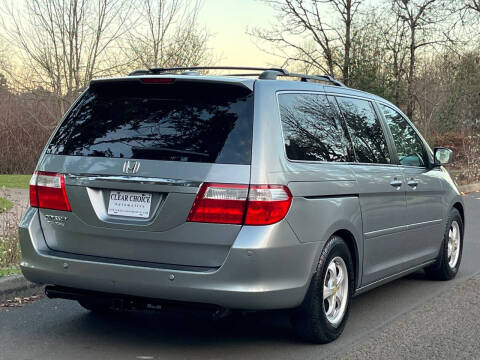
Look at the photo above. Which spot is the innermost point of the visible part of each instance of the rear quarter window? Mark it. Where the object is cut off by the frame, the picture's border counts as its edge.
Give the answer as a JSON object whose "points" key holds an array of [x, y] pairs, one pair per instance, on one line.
{"points": [[183, 121], [310, 129]]}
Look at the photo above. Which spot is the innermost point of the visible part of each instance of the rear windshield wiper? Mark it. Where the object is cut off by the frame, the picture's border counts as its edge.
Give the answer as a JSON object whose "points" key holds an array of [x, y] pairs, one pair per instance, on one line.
{"points": [[157, 148]]}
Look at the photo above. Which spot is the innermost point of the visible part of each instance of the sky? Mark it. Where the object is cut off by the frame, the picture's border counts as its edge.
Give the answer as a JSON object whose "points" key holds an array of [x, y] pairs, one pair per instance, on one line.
{"points": [[227, 21]]}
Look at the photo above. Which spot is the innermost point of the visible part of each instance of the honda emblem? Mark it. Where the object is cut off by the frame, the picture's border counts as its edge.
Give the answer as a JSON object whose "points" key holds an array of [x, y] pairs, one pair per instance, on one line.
{"points": [[131, 167]]}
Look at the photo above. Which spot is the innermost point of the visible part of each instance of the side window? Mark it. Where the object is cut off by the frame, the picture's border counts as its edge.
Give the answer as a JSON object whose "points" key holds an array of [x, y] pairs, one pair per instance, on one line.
{"points": [[365, 130], [410, 148], [310, 129]]}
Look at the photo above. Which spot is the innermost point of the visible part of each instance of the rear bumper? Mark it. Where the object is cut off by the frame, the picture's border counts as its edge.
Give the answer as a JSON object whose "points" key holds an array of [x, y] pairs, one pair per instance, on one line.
{"points": [[266, 268]]}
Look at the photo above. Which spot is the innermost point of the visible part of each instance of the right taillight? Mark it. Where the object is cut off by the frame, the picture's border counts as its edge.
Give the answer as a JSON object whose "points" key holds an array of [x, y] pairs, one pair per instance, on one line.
{"points": [[47, 191], [240, 204], [267, 204], [220, 203]]}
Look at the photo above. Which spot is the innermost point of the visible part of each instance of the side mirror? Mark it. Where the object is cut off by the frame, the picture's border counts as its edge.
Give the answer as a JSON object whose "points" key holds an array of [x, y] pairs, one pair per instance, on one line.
{"points": [[443, 156]]}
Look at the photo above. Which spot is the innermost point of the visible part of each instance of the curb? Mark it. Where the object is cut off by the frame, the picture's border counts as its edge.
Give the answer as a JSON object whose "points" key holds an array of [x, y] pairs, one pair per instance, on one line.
{"points": [[469, 188], [17, 286]]}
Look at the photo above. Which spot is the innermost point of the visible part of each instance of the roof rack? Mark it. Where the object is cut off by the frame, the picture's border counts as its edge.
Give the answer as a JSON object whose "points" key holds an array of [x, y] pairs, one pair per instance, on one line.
{"points": [[265, 73], [326, 78], [194, 68]]}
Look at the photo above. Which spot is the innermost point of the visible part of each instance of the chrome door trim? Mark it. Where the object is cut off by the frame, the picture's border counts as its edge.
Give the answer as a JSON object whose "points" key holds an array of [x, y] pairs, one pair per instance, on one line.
{"points": [[424, 223], [391, 230]]}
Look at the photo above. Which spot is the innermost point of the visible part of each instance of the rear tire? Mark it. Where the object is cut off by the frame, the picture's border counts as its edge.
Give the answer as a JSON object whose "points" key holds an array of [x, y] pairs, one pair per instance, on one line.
{"points": [[450, 256], [324, 312]]}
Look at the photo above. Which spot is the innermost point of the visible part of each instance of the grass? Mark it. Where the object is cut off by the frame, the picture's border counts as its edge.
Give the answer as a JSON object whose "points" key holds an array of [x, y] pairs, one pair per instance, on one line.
{"points": [[10, 270], [9, 245], [15, 181], [5, 205]]}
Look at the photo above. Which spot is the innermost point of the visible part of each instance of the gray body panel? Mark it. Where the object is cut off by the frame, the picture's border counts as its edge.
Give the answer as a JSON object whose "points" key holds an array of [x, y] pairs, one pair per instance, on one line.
{"points": [[262, 270], [391, 229], [425, 211], [164, 237], [383, 210]]}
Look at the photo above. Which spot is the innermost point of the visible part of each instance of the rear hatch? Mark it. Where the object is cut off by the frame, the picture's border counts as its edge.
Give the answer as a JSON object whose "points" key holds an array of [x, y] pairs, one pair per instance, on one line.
{"points": [[133, 153]]}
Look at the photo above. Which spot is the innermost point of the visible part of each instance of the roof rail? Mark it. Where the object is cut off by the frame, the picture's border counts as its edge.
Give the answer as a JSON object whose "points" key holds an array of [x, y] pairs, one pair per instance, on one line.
{"points": [[266, 73], [195, 68], [306, 78], [271, 74]]}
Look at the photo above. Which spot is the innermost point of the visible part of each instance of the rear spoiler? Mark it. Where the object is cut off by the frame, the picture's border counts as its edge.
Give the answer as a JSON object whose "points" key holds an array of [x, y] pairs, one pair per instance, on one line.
{"points": [[247, 83]]}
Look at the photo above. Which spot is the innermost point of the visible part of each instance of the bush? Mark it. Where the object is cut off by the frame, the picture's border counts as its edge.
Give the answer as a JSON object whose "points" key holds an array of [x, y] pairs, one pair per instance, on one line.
{"points": [[26, 122], [466, 147]]}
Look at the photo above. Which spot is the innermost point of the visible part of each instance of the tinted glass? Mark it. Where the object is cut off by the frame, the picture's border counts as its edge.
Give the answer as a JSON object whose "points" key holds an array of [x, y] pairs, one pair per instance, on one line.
{"points": [[310, 129], [365, 130], [410, 149], [185, 121]]}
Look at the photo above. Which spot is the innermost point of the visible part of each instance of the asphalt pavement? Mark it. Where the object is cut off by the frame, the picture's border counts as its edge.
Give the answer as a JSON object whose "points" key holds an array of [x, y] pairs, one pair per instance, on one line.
{"points": [[410, 318]]}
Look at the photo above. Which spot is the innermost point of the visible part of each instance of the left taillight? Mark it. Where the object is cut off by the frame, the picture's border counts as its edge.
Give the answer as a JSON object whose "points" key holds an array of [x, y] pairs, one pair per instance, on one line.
{"points": [[47, 191]]}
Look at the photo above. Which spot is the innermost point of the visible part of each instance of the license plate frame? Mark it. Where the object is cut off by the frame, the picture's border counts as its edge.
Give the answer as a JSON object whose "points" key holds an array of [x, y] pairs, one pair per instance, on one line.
{"points": [[130, 204]]}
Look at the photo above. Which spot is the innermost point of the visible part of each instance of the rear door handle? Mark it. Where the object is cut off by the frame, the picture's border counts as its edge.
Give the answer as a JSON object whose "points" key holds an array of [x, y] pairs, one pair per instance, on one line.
{"points": [[412, 183], [396, 183]]}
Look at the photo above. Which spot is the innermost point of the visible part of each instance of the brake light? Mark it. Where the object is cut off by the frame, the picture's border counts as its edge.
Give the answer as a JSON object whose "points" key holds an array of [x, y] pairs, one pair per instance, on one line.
{"points": [[267, 204], [47, 191], [157, 80], [240, 204], [219, 203]]}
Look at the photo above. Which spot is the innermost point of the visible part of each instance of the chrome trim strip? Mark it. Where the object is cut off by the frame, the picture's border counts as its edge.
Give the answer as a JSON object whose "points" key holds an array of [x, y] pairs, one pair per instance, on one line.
{"points": [[392, 230], [396, 229], [423, 224], [85, 180]]}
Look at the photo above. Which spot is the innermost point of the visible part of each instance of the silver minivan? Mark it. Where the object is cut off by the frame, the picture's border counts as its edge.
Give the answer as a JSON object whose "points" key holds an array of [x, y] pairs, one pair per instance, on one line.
{"points": [[171, 188]]}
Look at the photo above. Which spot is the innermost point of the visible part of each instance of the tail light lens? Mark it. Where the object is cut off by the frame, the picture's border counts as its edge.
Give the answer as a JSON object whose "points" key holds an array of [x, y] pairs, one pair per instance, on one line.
{"points": [[220, 203], [240, 204], [47, 191], [267, 204]]}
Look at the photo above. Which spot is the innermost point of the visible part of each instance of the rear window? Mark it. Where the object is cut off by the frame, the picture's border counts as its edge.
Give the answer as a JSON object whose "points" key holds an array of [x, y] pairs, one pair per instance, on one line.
{"points": [[181, 121]]}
